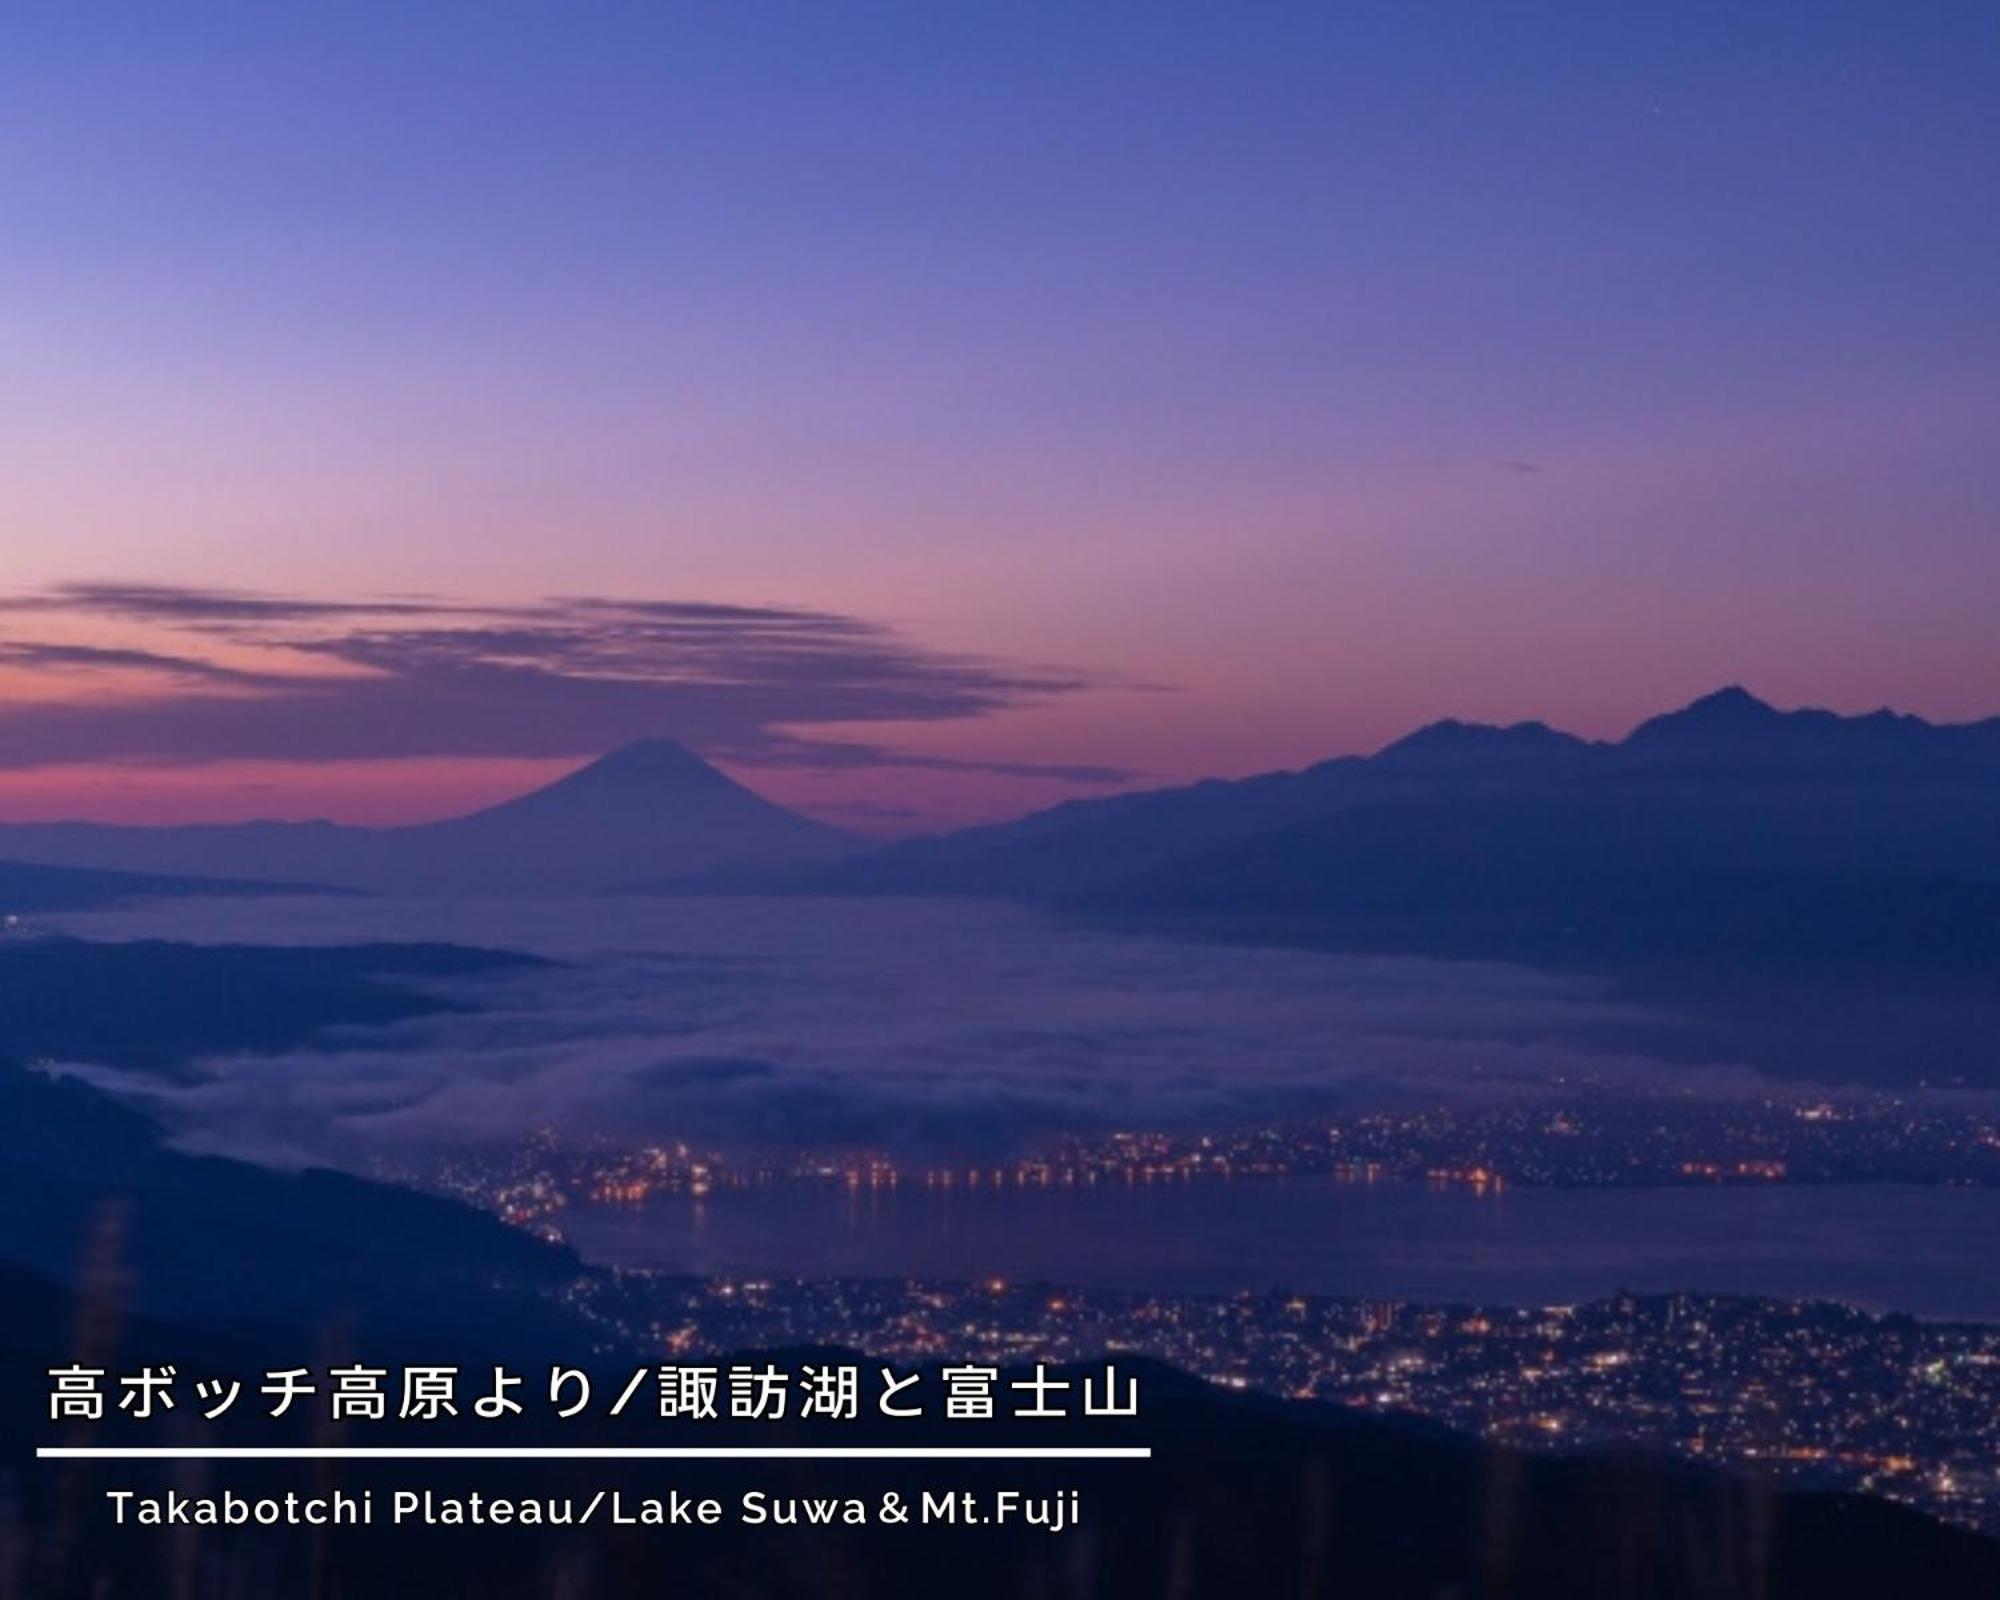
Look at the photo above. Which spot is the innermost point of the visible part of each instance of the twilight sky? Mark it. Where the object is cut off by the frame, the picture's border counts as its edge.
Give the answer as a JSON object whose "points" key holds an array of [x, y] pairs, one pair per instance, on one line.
{"points": [[933, 410]]}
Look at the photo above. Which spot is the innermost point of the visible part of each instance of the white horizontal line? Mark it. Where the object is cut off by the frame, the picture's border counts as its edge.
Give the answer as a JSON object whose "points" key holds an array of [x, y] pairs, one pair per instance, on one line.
{"points": [[664, 1452]]}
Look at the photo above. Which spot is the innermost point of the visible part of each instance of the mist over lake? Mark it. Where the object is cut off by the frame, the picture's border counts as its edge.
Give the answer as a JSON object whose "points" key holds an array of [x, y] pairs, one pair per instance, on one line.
{"points": [[764, 1022]]}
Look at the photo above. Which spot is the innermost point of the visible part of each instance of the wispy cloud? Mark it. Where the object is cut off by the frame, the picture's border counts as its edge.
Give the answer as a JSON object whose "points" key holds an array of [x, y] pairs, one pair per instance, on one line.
{"points": [[211, 674], [44, 657]]}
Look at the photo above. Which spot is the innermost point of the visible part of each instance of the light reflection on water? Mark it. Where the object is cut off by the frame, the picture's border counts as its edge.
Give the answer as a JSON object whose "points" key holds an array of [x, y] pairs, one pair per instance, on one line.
{"points": [[1887, 1246]]}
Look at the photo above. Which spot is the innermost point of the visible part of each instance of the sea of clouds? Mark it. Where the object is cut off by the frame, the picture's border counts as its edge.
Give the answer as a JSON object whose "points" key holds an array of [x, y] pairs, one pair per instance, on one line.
{"points": [[746, 1023]]}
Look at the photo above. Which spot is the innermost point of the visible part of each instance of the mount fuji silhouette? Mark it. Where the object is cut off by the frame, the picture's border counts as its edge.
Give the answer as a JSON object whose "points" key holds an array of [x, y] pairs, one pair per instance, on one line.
{"points": [[649, 813]]}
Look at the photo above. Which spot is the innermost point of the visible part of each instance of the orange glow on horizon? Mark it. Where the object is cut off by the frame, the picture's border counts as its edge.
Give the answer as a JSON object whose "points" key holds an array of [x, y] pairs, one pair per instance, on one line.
{"points": [[365, 792]]}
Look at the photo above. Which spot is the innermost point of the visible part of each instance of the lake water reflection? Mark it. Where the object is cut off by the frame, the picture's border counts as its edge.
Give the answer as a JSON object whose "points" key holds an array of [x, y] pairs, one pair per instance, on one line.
{"points": [[1925, 1250]]}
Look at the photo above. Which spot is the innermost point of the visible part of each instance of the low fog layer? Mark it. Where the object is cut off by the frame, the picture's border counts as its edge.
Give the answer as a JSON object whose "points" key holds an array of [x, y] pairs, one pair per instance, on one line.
{"points": [[747, 1023]]}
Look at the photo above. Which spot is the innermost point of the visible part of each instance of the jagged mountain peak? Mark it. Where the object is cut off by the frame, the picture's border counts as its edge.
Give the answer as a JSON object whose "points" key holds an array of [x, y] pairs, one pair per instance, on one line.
{"points": [[1730, 712], [1731, 700], [1734, 724], [1453, 743]]}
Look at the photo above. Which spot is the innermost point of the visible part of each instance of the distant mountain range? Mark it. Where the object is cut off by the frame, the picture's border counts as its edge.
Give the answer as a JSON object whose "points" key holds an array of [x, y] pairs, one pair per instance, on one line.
{"points": [[646, 814], [28, 889], [1820, 892], [1727, 773], [1814, 893], [1728, 781]]}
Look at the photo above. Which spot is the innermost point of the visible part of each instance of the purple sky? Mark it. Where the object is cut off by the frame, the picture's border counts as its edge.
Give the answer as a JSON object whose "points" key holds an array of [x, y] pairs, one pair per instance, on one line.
{"points": [[954, 409]]}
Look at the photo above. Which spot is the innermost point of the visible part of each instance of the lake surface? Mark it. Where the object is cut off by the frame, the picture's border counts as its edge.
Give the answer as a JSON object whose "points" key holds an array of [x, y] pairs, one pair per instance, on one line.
{"points": [[1929, 1251]]}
